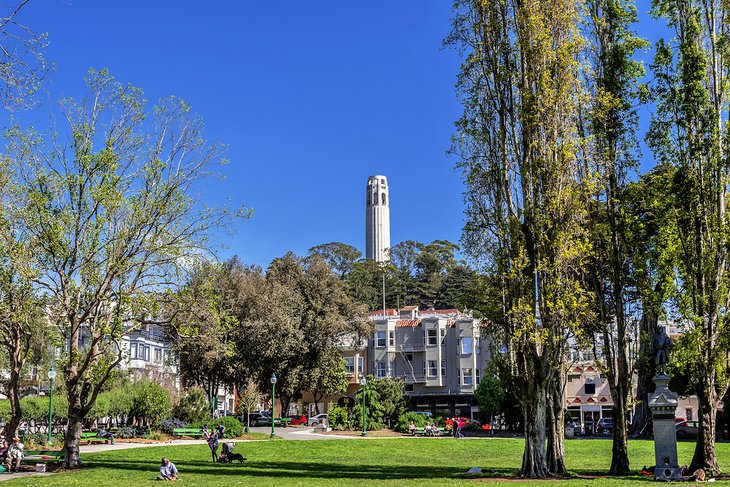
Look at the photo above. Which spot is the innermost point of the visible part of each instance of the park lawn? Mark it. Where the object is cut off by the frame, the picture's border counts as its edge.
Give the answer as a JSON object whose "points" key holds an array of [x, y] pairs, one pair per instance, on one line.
{"points": [[397, 461]]}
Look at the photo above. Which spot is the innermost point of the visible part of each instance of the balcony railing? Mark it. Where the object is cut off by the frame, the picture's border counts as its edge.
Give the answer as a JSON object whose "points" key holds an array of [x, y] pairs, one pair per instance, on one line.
{"points": [[413, 346], [409, 378]]}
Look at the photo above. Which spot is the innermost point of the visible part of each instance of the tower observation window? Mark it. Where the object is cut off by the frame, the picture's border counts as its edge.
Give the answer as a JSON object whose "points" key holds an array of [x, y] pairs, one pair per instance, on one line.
{"points": [[383, 195]]}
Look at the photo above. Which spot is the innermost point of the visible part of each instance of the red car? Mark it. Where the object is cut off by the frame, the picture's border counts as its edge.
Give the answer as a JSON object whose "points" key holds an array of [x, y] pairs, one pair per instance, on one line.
{"points": [[297, 420]]}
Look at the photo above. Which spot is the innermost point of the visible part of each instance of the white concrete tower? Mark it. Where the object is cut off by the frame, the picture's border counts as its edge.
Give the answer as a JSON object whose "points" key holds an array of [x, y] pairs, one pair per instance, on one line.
{"points": [[377, 219]]}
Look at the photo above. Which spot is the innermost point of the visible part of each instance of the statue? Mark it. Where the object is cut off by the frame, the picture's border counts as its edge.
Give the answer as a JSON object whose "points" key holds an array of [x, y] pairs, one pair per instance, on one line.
{"points": [[660, 346]]}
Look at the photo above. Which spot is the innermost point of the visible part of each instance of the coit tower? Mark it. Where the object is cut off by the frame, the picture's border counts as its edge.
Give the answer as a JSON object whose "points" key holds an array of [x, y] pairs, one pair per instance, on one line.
{"points": [[377, 219]]}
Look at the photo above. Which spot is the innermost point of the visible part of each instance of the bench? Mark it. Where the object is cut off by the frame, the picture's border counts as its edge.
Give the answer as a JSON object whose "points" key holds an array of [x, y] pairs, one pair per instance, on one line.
{"points": [[42, 456], [422, 431], [92, 437], [194, 432]]}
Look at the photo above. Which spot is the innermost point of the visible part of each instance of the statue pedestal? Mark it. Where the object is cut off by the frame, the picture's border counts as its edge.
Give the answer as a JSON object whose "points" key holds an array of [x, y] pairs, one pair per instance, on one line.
{"points": [[663, 404]]}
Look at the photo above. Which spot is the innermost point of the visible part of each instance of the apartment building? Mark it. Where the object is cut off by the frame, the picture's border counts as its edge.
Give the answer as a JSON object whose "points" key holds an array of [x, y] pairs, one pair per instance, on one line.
{"points": [[440, 355], [149, 355]]}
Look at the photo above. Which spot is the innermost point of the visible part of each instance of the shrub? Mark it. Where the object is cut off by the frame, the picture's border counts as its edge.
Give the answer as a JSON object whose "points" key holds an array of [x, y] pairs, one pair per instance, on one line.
{"points": [[339, 418], [234, 428], [193, 407], [127, 432], [156, 435], [405, 419], [168, 425]]}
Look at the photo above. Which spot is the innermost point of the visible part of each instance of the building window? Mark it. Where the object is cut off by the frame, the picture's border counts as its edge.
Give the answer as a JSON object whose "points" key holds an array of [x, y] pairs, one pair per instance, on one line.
{"points": [[479, 347], [479, 375], [391, 339], [375, 198], [466, 345], [158, 355], [468, 378], [432, 369], [383, 201], [133, 351], [391, 369], [458, 377], [146, 354], [380, 339], [360, 365], [350, 365], [432, 337], [409, 357], [443, 337], [368, 197], [443, 368], [590, 388], [380, 369]]}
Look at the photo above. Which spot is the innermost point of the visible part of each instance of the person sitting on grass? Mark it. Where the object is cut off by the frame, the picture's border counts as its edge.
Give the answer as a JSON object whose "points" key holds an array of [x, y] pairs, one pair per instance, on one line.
{"points": [[168, 471], [15, 454]]}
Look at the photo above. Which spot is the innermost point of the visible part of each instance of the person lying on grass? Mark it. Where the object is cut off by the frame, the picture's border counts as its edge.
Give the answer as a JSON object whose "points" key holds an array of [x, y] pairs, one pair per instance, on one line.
{"points": [[168, 471]]}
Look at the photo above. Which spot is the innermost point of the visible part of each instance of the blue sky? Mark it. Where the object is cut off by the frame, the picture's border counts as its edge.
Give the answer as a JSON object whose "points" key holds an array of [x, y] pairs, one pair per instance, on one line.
{"points": [[311, 97]]}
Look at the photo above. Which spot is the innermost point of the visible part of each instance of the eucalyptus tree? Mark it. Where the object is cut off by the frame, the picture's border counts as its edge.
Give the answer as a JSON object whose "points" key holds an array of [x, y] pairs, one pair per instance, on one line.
{"points": [[516, 145], [689, 131], [110, 211], [614, 83]]}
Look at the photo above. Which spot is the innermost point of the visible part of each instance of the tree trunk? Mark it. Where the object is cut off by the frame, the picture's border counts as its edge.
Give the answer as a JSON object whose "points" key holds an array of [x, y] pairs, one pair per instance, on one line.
{"points": [[620, 451], [534, 458], [11, 428], [73, 437], [704, 455], [556, 426]]}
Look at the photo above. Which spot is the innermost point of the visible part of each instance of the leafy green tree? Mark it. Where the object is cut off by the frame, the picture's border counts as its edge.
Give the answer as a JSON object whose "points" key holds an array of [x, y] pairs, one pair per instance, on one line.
{"points": [[613, 121], [108, 214], [339, 256], [517, 145], [150, 402], [490, 396], [192, 407], [391, 396], [249, 397], [689, 131]]}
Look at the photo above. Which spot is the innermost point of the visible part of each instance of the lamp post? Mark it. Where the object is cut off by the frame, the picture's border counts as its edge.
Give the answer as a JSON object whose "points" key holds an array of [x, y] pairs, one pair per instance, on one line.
{"points": [[273, 397], [363, 383], [51, 376]]}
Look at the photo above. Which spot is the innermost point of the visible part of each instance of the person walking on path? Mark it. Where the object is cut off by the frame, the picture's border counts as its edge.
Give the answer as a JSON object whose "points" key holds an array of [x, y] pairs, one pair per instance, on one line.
{"points": [[459, 425]]}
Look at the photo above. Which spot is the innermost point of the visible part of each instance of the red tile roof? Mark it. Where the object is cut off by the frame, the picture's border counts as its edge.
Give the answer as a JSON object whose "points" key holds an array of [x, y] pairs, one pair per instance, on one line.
{"points": [[388, 312]]}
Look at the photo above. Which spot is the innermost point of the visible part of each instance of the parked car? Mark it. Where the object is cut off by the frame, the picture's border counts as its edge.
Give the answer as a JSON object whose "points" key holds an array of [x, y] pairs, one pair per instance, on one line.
{"points": [[605, 426], [423, 413], [257, 419], [686, 429], [315, 420], [297, 420]]}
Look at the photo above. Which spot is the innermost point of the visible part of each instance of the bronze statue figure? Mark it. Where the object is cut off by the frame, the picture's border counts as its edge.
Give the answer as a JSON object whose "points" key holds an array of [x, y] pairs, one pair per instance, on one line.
{"points": [[660, 346]]}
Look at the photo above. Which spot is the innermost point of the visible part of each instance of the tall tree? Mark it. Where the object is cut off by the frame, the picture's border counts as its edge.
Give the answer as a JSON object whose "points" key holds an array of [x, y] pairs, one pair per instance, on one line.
{"points": [[613, 123], [339, 256], [516, 144], [109, 215], [689, 131], [22, 58]]}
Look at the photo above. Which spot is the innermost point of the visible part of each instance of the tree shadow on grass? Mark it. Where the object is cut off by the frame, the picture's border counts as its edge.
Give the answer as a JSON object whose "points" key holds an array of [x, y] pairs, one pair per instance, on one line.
{"points": [[288, 469], [321, 470]]}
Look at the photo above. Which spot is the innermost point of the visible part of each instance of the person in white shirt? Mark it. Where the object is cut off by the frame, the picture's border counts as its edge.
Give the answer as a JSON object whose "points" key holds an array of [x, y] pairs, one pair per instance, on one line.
{"points": [[15, 454]]}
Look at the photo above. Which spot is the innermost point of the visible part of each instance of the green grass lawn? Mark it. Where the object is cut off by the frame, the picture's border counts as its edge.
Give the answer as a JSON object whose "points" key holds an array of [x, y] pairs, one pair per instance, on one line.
{"points": [[399, 461]]}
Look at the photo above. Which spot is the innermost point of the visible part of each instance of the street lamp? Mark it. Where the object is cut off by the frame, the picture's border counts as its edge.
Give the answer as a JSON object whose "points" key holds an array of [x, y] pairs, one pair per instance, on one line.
{"points": [[51, 376], [363, 383], [273, 397]]}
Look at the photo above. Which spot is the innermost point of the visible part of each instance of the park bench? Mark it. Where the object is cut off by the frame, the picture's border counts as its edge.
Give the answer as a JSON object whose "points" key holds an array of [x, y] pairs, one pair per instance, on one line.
{"points": [[421, 431], [43, 456], [194, 432], [92, 437]]}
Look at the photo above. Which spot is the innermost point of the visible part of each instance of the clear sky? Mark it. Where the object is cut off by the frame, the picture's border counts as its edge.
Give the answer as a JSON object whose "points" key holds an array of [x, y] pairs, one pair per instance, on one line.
{"points": [[312, 98]]}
